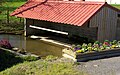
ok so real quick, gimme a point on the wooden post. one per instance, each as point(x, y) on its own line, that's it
point(20, 20)
point(25, 27)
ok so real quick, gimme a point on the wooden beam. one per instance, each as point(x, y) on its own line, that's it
point(50, 30)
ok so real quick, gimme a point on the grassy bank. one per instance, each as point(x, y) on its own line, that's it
point(48, 66)
point(8, 59)
point(11, 64)
point(116, 5)
point(10, 23)
point(41, 68)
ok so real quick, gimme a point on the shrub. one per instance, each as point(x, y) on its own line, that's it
point(50, 58)
point(5, 44)
point(29, 58)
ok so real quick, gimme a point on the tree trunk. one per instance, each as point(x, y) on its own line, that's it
point(8, 16)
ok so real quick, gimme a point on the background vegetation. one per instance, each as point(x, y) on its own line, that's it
point(10, 23)
point(116, 5)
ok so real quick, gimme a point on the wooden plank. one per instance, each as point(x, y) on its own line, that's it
point(46, 29)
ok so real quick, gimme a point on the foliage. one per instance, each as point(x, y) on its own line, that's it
point(11, 6)
point(10, 23)
point(5, 44)
point(50, 58)
point(29, 58)
point(42, 67)
point(116, 5)
point(96, 46)
point(11, 27)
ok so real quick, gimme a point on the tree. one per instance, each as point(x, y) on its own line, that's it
point(7, 10)
point(1, 1)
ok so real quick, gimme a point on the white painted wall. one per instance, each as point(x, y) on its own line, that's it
point(108, 1)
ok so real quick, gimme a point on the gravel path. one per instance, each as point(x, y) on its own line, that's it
point(109, 66)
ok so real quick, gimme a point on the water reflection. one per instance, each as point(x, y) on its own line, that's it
point(43, 48)
point(15, 40)
point(35, 46)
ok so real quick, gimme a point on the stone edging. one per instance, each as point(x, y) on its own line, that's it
point(91, 55)
point(19, 54)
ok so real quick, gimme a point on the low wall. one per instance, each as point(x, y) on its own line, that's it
point(91, 55)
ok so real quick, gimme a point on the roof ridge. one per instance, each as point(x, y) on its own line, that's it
point(82, 2)
point(65, 2)
point(86, 2)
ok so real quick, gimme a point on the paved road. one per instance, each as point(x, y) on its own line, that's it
point(108, 66)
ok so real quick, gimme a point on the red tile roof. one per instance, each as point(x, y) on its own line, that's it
point(75, 13)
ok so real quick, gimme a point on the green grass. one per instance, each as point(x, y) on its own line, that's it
point(11, 6)
point(11, 64)
point(15, 24)
point(43, 67)
point(116, 5)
